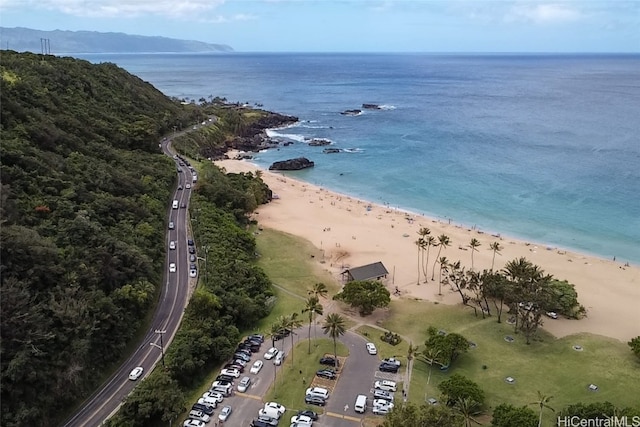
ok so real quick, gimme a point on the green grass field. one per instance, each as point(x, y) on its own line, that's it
point(549, 365)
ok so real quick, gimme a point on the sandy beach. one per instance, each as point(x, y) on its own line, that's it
point(352, 232)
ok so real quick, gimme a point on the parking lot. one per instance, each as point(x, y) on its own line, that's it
point(357, 376)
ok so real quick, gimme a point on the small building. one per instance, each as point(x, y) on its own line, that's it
point(375, 271)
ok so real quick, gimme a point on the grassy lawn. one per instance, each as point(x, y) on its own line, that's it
point(550, 365)
point(289, 387)
point(291, 262)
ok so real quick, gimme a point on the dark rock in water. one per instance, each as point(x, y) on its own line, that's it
point(371, 106)
point(351, 112)
point(287, 143)
point(317, 142)
point(292, 164)
point(331, 150)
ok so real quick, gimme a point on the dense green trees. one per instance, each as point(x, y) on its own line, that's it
point(365, 295)
point(507, 415)
point(635, 345)
point(408, 414)
point(458, 387)
point(444, 348)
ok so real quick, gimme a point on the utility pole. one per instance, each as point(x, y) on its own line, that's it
point(161, 346)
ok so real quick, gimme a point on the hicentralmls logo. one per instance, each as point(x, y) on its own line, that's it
point(599, 422)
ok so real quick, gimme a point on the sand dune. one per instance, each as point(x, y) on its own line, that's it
point(354, 232)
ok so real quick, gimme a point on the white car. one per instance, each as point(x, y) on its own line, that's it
point(224, 413)
point(172, 267)
point(301, 420)
point(383, 403)
point(136, 373)
point(275, 405)
point(386, 385)
point(257, 365)
point(244, 384)
point(193, 273)
point(317, 391)
point(552, 314)
point(219, 397)
point(210, 401)
point(231, 372)
point(271, 353)
point(172, 245)
point(371, 348)
point(199, 415)
point(188, 186)
point(381, 410)
point(193, 423)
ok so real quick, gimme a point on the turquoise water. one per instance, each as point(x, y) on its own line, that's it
point(545, 148)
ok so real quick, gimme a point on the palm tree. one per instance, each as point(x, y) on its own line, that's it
point(312, 308)
point(467, 407)
point(319, 290)
point(443, 265)
point(496, 248)
point(276, 329)
point(429, 242)
point(412, 352)
point(542, 403)
point(424, 232)
point(292, 322)
point(335, 326)
point(420, 244)
point(473, 245)
point(443, 242)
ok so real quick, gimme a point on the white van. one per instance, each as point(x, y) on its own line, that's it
point(361, 404)
point(279, 358)
point(175, 204)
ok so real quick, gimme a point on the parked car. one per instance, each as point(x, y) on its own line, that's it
point(234, 366)
point(552, 314)
point(386, 385)
point(383, 402)
point(257, 366)
point(328, 360)
point(240, 362)
point(258, 337)
point(225, 378)
point(199, 415)
point(136, 373)
point(317, 391)
point(219, 383)
point(231, 372)
point(259, 423)
point(224, 413)
point(269, 417)
point(371, 348)
point(279, 358)
point(207, 409)
point(244, 384)
point(301, 420)
point(188, 186)
point(308, 413)
point(192, 258)
point(382, 394)
point(275, 405)
point(381, 410)
point(192, 250)
point(193, 273)
point(283, 333)
point(270, 354)
point(265, 421)
point(314, 400)
point(215, 395)
point(242, 356)
point(329, 374)
point(190, 242)
point(193, 423)
point(386, 367)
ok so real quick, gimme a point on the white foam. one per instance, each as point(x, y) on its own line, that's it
point(387, 107)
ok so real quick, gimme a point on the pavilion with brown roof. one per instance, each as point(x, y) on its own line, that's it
point(375, 271)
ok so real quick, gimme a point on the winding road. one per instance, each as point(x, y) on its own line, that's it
point(166, 320)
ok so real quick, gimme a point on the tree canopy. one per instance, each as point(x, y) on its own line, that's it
point(365, 295)
point(507, 415)
point(458, 387)
point(408, 414)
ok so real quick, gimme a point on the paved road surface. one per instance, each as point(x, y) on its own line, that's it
point(173, 299)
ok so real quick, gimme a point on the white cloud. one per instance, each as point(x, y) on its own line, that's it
point(122, 8)
point(542, 13)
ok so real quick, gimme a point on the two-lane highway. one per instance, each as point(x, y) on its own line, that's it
point(173, 300)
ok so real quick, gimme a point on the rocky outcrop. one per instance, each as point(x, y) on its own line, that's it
point(292, 164)
point(371, 106)
point(319, 142)
point(351, 112)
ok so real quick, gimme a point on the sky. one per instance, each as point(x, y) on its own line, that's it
point(351, 25)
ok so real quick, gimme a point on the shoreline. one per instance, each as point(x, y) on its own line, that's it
point(350, 231)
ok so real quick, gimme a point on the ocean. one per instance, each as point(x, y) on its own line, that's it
point(545, 148)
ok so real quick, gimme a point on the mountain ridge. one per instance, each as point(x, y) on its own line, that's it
point(22, 39)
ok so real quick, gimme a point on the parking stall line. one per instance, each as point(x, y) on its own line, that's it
point(249, 396)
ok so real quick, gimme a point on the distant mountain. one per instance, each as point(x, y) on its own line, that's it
point(66, 42)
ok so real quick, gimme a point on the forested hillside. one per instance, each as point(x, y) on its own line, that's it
point(84, 192)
